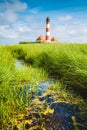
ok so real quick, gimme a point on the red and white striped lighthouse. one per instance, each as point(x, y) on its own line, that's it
point(47, 29)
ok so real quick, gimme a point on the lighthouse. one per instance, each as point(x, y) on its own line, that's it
point(47, 39)
point(47, 29)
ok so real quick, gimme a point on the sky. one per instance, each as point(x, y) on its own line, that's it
point(24, 20)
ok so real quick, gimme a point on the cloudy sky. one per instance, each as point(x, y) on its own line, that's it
point(24, 20)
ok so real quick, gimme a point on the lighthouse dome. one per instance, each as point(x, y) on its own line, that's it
point(47, 19)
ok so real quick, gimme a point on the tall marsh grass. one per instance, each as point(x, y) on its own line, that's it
point(13, 82)
point(67, 62)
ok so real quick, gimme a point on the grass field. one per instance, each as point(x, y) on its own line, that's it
point(66, 63)
point(12, 81)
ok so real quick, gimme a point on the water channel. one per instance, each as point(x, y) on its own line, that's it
point(65, 116)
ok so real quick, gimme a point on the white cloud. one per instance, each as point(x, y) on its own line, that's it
point(85, 30)
point(7, 32)
point(8, 17)
point(65, 18)
point(23, 29)
point(18, 32)
point(70, 31)
point(9, 11)
point(14, 5)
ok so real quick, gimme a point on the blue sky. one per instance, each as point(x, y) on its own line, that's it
point(24, 20)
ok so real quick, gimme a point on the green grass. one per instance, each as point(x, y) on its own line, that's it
point(13, 83)
point(66, 63)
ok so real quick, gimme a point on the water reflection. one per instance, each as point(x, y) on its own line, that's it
point(62, 118)
point(18, 64)
point(65, 116)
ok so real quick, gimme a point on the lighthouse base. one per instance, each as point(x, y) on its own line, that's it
point(48, 41)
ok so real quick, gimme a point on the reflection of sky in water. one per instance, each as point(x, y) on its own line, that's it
point(63, 112)
point(18, 64)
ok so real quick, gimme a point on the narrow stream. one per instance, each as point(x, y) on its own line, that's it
point(19, 64)
point(65, 116)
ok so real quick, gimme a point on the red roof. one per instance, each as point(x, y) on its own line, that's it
point(53, 39)
point(40, 38)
